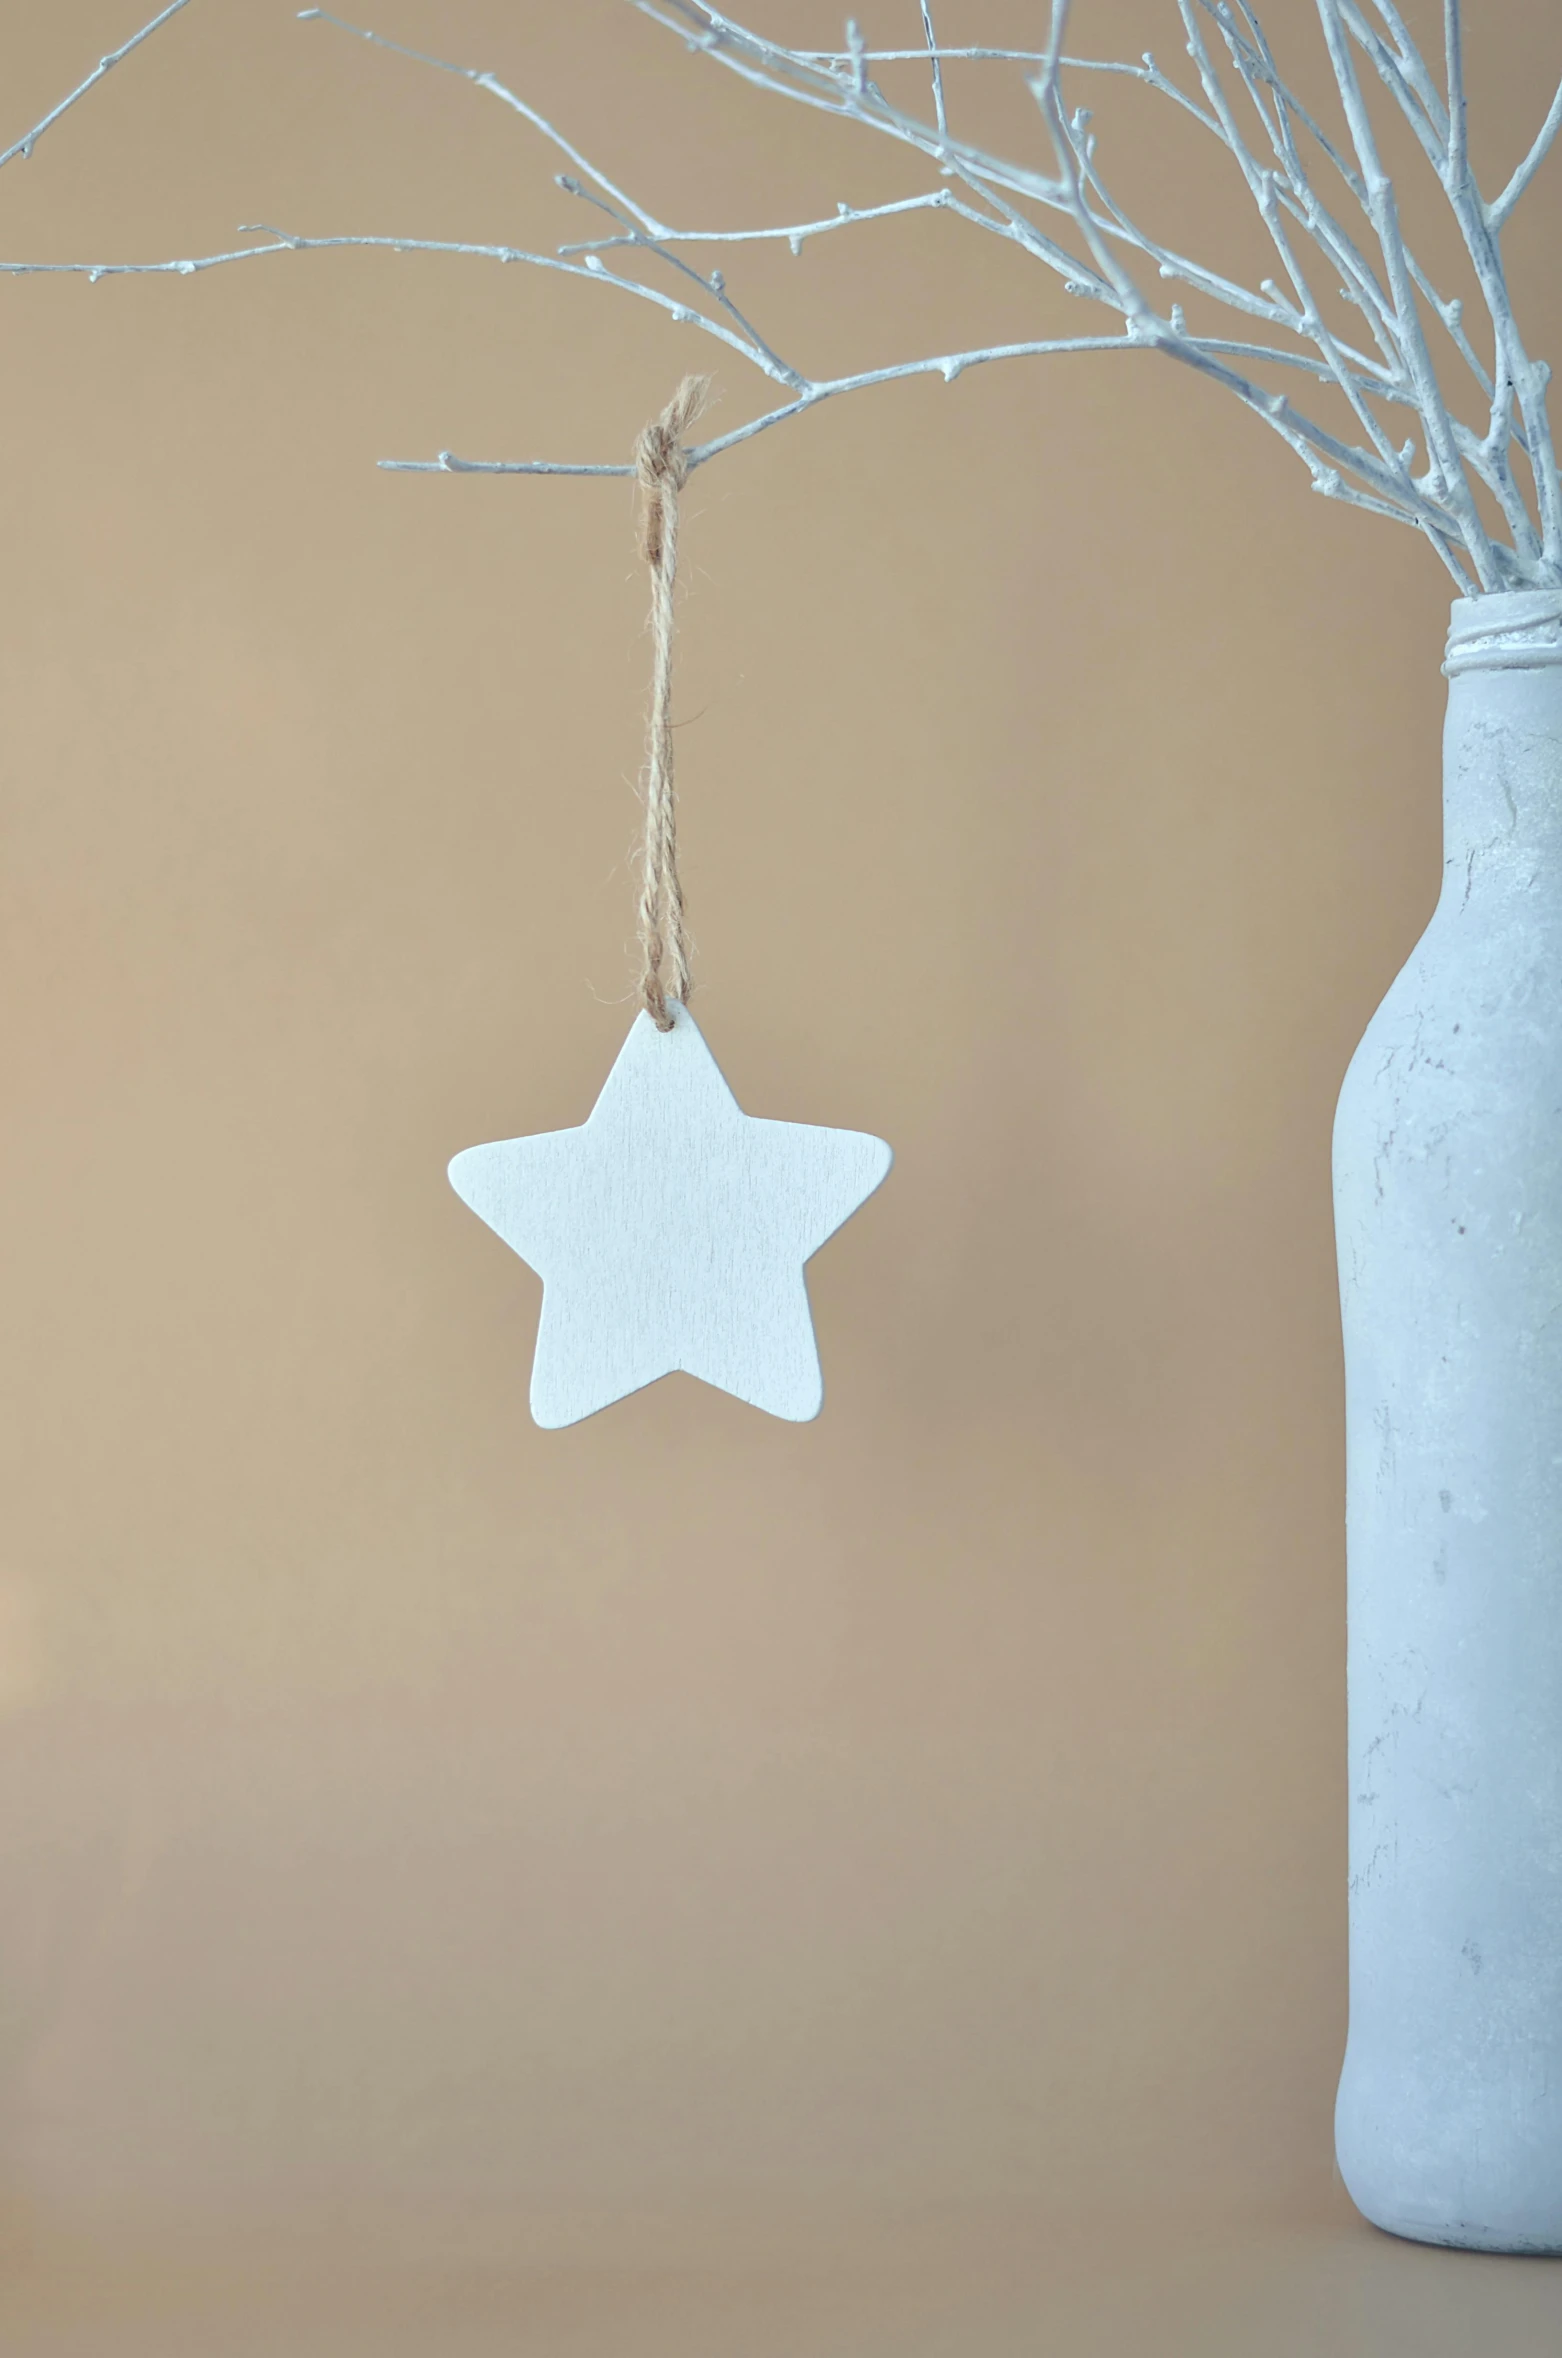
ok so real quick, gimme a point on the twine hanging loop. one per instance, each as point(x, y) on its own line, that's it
point(662, 466)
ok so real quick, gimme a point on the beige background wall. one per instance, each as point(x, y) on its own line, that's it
point(401, 1805)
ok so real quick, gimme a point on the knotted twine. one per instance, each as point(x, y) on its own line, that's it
point(662, 465)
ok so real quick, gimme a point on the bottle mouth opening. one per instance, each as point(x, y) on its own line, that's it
point(1509, 630)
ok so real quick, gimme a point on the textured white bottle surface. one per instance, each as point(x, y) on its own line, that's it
point(1448, 1198)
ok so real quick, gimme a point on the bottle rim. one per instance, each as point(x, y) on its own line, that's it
point(1507, 630)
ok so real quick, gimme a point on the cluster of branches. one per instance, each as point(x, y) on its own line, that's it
point(1327, 206)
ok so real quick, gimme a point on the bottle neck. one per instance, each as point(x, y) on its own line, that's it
point(1512, 630)
point(1502, 746)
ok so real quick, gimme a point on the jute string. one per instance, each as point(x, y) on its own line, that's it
point(662, 463)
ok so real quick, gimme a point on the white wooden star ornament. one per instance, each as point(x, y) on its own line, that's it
point(671, 1229)
point(670, 1232)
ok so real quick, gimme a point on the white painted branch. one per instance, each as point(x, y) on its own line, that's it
point(1430, 128)
point(1254, 62)
point(947, 365)
point(105, 65)
point(836, 95)
point(1486, 457)
point(179, 267)
point(838, 82)
point(1514, 373)
point(1457, 160)
point(712, 283)
point(284, 242)
point(835, 92)
point(1310, 321)
point(979, 171)
point(1388, 494)
point(1376, 476)
point(1413, 66)
point(1146, 71)
point(796, 234)
point(1406, 74)
point(1326, 479)
point(1383, 211)
point(1100, 252)
point(481, 80)
point(940, 114)
point(940, 51)
point(1497, 212)
point(1066, 140)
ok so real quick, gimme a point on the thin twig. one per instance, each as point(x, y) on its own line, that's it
point(105, 65)
point(284, 242)
point(940, 117)
point(1497, 212)
point(481, 80)
point(948, 365)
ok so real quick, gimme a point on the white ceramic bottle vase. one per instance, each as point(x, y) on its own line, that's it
point(1448, 1209)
